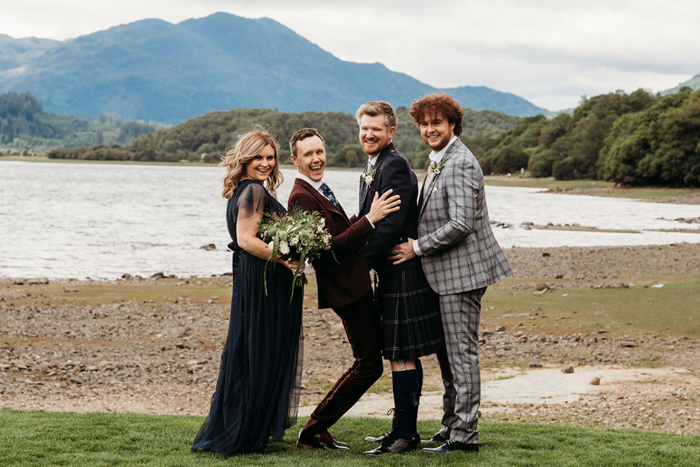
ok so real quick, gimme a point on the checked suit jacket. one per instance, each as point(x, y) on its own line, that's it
point(459, 250)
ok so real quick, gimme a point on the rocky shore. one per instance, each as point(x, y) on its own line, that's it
point(153, 345)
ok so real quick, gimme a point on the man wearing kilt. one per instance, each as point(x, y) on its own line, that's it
point(460, 257)
point(409, 309)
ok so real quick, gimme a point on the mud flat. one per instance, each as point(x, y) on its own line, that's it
point(153, 345)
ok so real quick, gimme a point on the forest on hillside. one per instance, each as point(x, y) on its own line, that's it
point(207, 137)
point(631, 139)
point(25, 128)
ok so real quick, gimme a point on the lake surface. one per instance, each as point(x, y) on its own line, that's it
point(104, 220)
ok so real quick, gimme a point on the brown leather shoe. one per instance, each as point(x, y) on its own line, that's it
point(393, 446)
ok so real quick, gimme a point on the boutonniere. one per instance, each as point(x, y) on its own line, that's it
point(436, 167)
point(369, 175)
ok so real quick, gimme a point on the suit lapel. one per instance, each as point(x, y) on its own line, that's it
point(327, 205)
point(453, 149)
point(364, 189)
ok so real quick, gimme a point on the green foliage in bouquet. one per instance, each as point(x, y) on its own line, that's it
point(297, 236)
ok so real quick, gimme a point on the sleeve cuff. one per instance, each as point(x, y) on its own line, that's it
point(416, 249)
point(370, 222)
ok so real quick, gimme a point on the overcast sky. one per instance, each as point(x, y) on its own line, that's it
point(550, 52)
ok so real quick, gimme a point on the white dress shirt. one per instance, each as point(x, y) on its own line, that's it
point(317, 186)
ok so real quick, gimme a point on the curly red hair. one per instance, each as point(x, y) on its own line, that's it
point(433, 104)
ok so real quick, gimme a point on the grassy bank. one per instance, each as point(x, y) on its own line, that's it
point(620, 311)
point(599, 188)
point(636, 309)
point(43, 438)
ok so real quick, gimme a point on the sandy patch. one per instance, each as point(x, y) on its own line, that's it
point(506, 388)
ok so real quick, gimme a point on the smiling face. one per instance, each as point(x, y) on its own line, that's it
point(310, 157)
point(435, 130)
point(260, 167)
point(374, 134)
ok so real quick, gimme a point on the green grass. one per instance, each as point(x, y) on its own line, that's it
point(592, 187)
point(548, 183)
point(637, 309)
point(98, 439)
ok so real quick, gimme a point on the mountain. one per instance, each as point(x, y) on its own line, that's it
point(693, 83)
point(154, 70)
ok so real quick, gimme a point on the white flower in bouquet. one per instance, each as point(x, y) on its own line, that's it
point(303, 231)
point(284, 247)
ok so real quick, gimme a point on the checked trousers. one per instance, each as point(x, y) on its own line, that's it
point(459, 365)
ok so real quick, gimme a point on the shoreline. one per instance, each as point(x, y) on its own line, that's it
point(549, 185)
point(587, 263)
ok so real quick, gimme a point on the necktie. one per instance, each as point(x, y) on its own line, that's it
point(328, 193)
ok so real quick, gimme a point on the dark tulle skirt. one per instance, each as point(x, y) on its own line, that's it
point(257, 393)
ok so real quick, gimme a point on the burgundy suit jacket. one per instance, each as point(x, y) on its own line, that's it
point(346, 280)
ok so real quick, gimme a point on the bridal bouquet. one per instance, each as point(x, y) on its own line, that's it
point(298, 235)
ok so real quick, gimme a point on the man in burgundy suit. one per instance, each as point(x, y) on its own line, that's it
point(343, 283)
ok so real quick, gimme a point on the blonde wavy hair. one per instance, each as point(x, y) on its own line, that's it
point(249, 145)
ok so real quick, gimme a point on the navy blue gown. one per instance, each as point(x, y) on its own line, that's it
point(257, 393)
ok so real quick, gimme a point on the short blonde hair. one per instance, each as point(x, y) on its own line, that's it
point(375, 108)
point(249, 145)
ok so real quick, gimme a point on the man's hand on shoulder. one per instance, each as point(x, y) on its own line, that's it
point(402, 252)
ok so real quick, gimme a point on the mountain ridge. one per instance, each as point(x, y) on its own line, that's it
point(155, 70)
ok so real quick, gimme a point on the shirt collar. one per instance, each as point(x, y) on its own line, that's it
point(313, 183)
point(373, 161)
point(437, 157)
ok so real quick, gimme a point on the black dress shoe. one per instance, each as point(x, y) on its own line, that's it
point(439, 437)
point(452, 446)
point(327, 438)
point(381, 438)
point(378, 439)
point(309, 441)
point(393, 445)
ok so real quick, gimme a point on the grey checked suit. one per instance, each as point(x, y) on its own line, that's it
point(460, 258)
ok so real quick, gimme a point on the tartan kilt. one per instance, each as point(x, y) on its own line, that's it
point(410, 315)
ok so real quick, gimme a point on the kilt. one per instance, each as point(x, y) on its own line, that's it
point(410, 315)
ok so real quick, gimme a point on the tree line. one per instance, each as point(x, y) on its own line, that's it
point(207, 137)
point(25, 127)
point(635, 139)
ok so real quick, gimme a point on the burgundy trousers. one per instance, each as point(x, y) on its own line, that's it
point(362, 328)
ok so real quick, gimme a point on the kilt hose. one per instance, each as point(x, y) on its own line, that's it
point(459, 365)
point(410, 315)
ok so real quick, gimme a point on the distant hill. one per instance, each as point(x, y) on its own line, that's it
point(154, 70)
point(693, 83)
point(206, 137)
point(25, 127)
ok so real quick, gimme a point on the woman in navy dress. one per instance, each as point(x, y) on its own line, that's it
point(257, 392)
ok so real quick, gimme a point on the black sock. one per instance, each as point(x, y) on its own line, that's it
point(419, 369)
point(406, 394)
